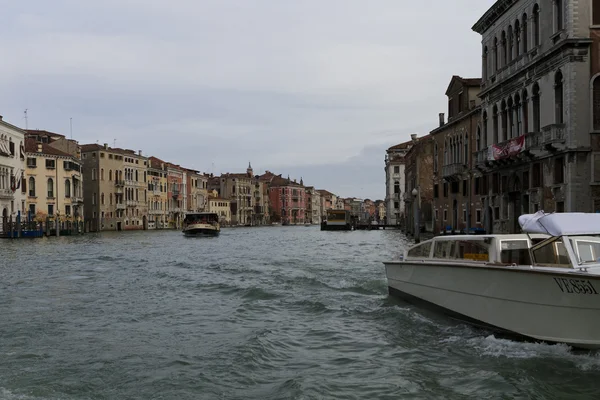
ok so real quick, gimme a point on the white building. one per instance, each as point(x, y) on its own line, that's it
point(395, 182)
point(12, 170)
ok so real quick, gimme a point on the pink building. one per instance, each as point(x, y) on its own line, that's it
point(288, 201)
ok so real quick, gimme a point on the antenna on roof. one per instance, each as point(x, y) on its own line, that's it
point(26, 124)
point(71, 126)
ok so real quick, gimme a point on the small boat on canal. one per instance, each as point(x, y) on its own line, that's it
point(201, 224)
point(543, 284)
point(337, 220)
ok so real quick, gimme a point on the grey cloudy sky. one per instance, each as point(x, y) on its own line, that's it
point(311, 88)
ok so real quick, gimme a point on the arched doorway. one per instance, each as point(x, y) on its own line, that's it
point(4, 222)
point(145, 222)
point(514, 203)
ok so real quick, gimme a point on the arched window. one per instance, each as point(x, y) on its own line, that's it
point(50, 188)
point(435, 157)
point(596, 103)
point(504, 49)
point(466, 150)
point(495, 55)
point(446, 152)
point(67, 188)
point(511, 120)
point(102, 174)
point(558, 98)
point(102, 199)
point(558, 15)
point(510, 44)
point(517, 38)
point(524, 35)
point(535, 101)
point(536, 25)
point(478, 139)
point(136, 175)
point(518, 115)
point(495, 125)
point(485, 63)
point(110, 175)
point(503, 115)
point(485, 131)
point(32, 186)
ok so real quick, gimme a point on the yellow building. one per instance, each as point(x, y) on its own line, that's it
point(158, 211)
point(53, 179)
point(220, 206)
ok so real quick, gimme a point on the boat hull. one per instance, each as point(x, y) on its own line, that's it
point(541, 305)
point(201, 230)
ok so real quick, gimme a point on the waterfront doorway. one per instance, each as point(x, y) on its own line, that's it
point(119, 226)
point(455, 215)
point(145, 222)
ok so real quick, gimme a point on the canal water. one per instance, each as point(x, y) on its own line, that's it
point(257, 313)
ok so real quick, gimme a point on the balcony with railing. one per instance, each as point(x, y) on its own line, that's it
point(120, 206)
point(6, 194)
point(119, 183)
point(131, 203)
point(454, 169)
point(553, 135)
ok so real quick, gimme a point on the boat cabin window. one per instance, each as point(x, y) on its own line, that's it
point(476, 250)
point(515, 252)
point(421, 251)
point(552, 254)
point(587, 249)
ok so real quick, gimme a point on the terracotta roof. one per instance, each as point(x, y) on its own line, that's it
point(325, 192)
point(41, 132)
point(236, 175)
point(401, 146)
point(282, 182)
point(31, 146)
point(96, 147)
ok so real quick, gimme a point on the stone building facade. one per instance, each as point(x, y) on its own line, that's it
point(53, 180)
point(158, 201)
point(419, 176)
point(394, 182)
point(456, 201)
point(535, 147)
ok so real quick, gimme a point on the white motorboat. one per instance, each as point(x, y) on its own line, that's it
point(543, 284)
point(201, 224)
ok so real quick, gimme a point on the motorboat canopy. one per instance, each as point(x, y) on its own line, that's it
point(561, 224)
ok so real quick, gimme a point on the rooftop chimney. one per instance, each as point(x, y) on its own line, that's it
point(0, 117)
point(139, 152)
point(39, 149)
point(105, 146)
point(472, 104)
point(441, 119)
point(413, 137)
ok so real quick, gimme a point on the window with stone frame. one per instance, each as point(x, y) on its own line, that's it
point(596, 167)
point(558, 97)
point(596, 101)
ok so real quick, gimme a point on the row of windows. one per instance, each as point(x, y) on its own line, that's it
point(50, 187)
point(514, 40)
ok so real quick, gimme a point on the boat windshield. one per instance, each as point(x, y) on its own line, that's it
point(552, 253)
point(586, 248)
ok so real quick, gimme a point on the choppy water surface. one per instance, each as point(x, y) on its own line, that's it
point(258, 313)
